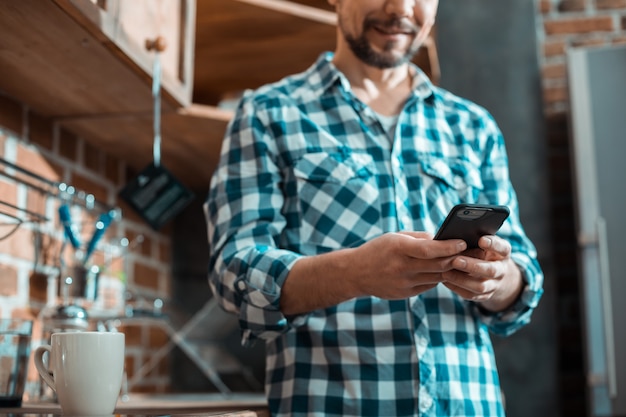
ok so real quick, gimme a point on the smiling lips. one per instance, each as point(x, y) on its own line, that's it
point(394, 27)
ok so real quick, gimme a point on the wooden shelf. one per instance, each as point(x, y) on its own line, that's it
point(191, 139)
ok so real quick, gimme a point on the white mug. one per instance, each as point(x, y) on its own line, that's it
point(85, 370)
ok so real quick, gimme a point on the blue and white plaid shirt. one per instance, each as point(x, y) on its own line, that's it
point(307, 168)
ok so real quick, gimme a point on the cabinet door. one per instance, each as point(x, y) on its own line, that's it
point(127, 25)
point(598, 119)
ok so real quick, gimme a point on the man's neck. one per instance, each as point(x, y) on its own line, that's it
point(384, 90)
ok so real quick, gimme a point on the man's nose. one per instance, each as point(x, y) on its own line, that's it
point(400, 8)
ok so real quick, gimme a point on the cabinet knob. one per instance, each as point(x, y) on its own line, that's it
point(157, 44)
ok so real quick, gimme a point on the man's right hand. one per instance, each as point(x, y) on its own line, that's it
point(391, 266)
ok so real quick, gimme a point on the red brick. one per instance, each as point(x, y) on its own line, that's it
point(556, 48)
point(36, 200)
point(19, 244)
point(40, 130)
point(545, 6)
point(11, 115)
point(68, 145)
point(157, 337)
point(23, 313)
point(579, 25)
point(38, 164)
point(165, 252)
point(8, 281)
point(133, 335)
point(167, 289)
point(91, 158)
point(610, 4)
point(112, 169)
point(129, 366)
point(8, 191)
point(554, 71)
point(38, 285)
point(571, 5)
point(145, 276)
point(553, 95)
point(164, 366)
point(129, 214)
point(144, 247)
point(85, 184)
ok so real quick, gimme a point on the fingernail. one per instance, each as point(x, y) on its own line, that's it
point(461, 263)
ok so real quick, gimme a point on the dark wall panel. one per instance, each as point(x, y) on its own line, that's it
point(488, 53)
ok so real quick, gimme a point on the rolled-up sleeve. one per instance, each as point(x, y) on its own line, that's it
point(499, 190)
point(243, 212)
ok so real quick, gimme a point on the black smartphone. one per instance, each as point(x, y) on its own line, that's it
point(471, 221)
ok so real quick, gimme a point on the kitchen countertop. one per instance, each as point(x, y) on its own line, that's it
point(205, 404)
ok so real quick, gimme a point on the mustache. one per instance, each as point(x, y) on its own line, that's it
point(393, 24)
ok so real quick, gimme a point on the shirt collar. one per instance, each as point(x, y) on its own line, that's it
point(329, 75)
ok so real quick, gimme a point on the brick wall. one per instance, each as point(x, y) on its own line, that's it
point(30, 255)
point(572, 23)
point(562, 24)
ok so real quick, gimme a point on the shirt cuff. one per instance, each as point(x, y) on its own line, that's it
point(260, 290)
point(507, 322)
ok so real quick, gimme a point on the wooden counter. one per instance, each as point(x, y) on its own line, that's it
point(209, 404)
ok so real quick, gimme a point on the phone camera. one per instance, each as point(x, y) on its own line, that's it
point(466, 212)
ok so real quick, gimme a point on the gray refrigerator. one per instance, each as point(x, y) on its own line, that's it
point(597, 87)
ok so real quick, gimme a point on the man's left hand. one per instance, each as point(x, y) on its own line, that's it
point(486, 275)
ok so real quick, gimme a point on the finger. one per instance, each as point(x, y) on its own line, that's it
point(469, 294)
point(476, 267)
point(433, 249)
point(423, 246)
point(495, 244)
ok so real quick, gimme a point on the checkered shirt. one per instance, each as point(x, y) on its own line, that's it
point(306, 168)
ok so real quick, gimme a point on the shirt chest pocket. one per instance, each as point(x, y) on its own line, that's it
point(331, 196)
point(334, 168)
point(456, 179)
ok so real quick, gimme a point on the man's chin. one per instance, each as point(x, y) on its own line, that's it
point(388, 61)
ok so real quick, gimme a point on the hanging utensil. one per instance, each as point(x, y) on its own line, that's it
point(102, 224)
point(71, 233)
point(155, 193)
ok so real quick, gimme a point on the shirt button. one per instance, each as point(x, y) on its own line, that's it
point(406, 221)
point(426, 401)
point(241, 285)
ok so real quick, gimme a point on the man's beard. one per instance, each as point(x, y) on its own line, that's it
point(363, 50)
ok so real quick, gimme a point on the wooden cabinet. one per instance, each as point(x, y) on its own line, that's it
point(128, 25)
point(84, 65)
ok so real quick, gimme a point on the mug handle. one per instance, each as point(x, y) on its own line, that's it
point(41, 367)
